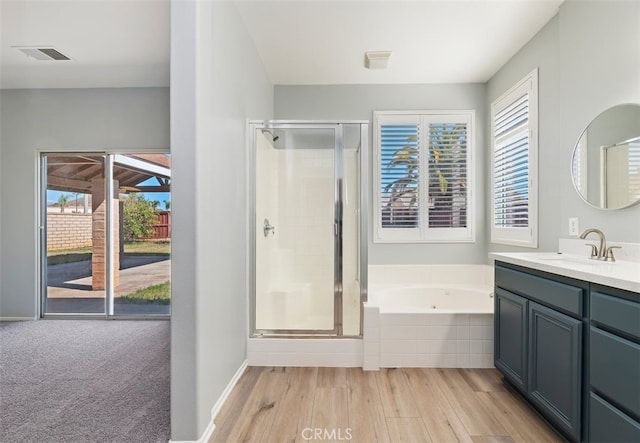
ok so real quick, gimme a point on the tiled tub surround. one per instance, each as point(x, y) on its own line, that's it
point(399, 334)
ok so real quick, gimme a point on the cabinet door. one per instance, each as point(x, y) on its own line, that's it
point(510, 336)
point(555, 353)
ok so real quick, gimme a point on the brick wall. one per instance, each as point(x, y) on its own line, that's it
point(67, 231)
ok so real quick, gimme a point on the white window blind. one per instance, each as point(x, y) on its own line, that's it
point(576, 166)
point(579, 164)
point(399, 175)
point(514, 119)
point(634, 171)
point(448, 168)
point(511, 165)
point(423, 171)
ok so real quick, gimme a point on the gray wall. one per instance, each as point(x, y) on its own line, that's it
point(357, 102)
point(217, 83)
point(589, 60)
point(600, 67)
point(60, 120)
point(540, 52)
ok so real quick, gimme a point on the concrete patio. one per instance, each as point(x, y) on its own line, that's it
point(69, 288)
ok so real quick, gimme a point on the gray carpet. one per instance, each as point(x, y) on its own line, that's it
point(84, 381)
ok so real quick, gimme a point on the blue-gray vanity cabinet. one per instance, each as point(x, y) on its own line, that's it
point(538, 341)
point(614, 364)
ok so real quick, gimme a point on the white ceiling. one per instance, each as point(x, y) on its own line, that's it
point(125, 43)
point(117, 43)
point(324, 42)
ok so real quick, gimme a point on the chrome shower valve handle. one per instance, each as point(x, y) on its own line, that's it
point(266, 228)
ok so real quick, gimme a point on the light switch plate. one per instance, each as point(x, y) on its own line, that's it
point(574, 226)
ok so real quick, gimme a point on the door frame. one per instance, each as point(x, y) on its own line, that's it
point(109, 240)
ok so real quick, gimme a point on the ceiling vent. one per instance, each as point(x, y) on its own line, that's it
point(376, 59)
point(44, 53)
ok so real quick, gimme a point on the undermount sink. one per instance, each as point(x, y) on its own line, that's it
point(621, 274)
point(560, 258)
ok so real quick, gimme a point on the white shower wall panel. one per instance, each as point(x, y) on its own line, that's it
point(306, 189)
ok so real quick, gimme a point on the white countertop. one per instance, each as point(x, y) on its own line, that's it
point(620, 274)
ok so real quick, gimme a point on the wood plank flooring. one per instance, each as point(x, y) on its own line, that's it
point(280, 405)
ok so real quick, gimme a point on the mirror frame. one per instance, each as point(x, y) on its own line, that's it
point(573, 154)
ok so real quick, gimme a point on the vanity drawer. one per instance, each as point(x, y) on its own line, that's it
point(615, 365)
point(608, 424)
point(558, 295)
point(616, 313)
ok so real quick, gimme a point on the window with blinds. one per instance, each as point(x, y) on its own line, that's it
point(514, 164)
point(423, 171)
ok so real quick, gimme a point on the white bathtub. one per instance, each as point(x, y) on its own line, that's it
point(429, 316)
point(440, 298)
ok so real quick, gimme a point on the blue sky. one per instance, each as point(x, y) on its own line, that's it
point(53, 196)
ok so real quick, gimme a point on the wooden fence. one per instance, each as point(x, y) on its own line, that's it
point(162, 227)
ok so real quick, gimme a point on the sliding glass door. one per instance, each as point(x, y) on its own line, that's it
point(105, 224)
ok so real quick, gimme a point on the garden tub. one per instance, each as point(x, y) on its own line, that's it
point(429, 316)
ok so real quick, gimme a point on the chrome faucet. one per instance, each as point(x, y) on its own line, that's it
point(602, 252)
point(596, 252)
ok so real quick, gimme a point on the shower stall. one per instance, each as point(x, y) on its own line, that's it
point(308, 228)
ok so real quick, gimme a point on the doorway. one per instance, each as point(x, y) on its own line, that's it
point(105, 224)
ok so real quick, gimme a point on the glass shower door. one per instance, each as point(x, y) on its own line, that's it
point(298, 280)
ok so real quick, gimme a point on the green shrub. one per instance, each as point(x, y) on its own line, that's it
point(139, 216)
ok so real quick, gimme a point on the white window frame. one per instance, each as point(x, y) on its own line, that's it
point(519, 236)
point(424, 234)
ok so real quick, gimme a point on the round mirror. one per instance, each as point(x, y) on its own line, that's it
point(606, 160)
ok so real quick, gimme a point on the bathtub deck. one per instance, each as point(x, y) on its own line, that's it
point(391, 405)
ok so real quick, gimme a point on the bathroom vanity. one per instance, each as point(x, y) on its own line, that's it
point(567, 337)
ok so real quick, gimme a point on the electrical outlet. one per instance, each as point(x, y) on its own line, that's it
point(574, 227)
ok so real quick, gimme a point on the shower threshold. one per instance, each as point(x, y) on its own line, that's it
point(297, 351)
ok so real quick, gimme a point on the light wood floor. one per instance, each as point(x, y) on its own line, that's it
point(393, 405)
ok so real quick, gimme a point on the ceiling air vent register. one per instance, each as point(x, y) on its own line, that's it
point(42, 53)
